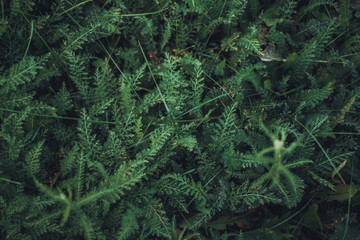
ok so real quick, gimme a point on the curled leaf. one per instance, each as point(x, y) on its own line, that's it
point(269, 54)
point(341, 166)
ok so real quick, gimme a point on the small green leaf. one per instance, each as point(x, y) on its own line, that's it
point(341, 193)
point(290, 60)
point(220, 68)
point(311, 217)
point(271, 17)
point(267, 84)
point(188, 142)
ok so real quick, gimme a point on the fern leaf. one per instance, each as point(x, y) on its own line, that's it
point(224, 129)
point(67, 164)
point(158, 138)
point(21, 73)
point(249, 195)
point(80, 175)
point(32, 159)
point(250, 43)
point(184, 185)
point(78, 73)
point(315, 4)
point(298, 163)
point(127, 175)
point(312, 97)
point(321, 180)
point(129, 225)
point(87, 228)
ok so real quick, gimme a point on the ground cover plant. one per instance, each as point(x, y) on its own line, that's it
point(179, 119)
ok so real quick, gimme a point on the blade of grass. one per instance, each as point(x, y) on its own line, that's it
point(10, 181)
point(30, 38)
point(200, 105)
point(296, 213)
point(45, 43)
point(152, 75)
point(117, 67)
point(339, 133)
point(322, 149)
point(59, 117)
point(219, 86)
point(349, 203)
point(77, 5)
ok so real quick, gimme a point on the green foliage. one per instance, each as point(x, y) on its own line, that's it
point(21, 73)
point(184, 119)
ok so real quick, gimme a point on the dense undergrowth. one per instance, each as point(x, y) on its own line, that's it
point(179, 119)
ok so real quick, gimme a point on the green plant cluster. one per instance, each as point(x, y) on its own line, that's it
point(179, 119)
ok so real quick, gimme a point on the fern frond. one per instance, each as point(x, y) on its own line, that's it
point(197, 83)
point(62, 101)
point(76, 39)
point(158, 138)
point(166, 35)
point(321, 180)
point(250, 74)
point(23, 72)
point(127, 175)
point(156, 219)
point(312, 97)
point(298, 163)
point(78, 73)
point(32, 159)
point(44, 224)
point(245, 174)
point(67, 164)
point(87, 228)
point(177, 183)
point(129, 224)
point(245, 193)
point(249, 43)
point(315, 4)
point(86, 137)
point(224, 129)
point(294, 185)
point(80, 175)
